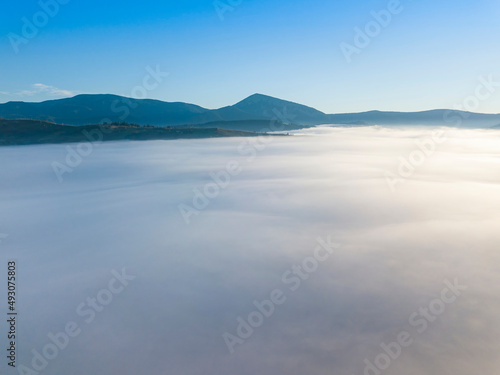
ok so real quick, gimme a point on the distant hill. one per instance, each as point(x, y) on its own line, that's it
point(438, 117)
point(244, 115)
point(27, 132)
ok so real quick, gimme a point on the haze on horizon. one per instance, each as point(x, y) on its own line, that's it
point(429, 55)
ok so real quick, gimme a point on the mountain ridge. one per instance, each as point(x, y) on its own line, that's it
point(87, 109)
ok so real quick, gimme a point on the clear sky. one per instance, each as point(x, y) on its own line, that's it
point(431, 54)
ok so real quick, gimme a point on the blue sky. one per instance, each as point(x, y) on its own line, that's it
point(429, 55)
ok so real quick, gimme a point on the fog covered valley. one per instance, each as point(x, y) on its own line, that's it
point(346, 251)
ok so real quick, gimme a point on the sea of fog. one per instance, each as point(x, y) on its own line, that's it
point(338, 251)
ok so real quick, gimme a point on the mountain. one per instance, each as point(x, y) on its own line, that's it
point(263, 106)
point(93, 109)
point(28, 132)
point(437, 117)
point(244, 115)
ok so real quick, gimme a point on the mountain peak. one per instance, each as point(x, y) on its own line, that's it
point(260, 98)
point(265, 106)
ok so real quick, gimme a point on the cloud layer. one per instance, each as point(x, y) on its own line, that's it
point(119, 208)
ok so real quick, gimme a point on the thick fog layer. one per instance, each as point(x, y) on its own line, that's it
point(339, 251)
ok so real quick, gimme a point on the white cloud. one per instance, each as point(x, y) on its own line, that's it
point(40, 88)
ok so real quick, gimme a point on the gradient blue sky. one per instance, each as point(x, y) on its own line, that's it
point(431, 55)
